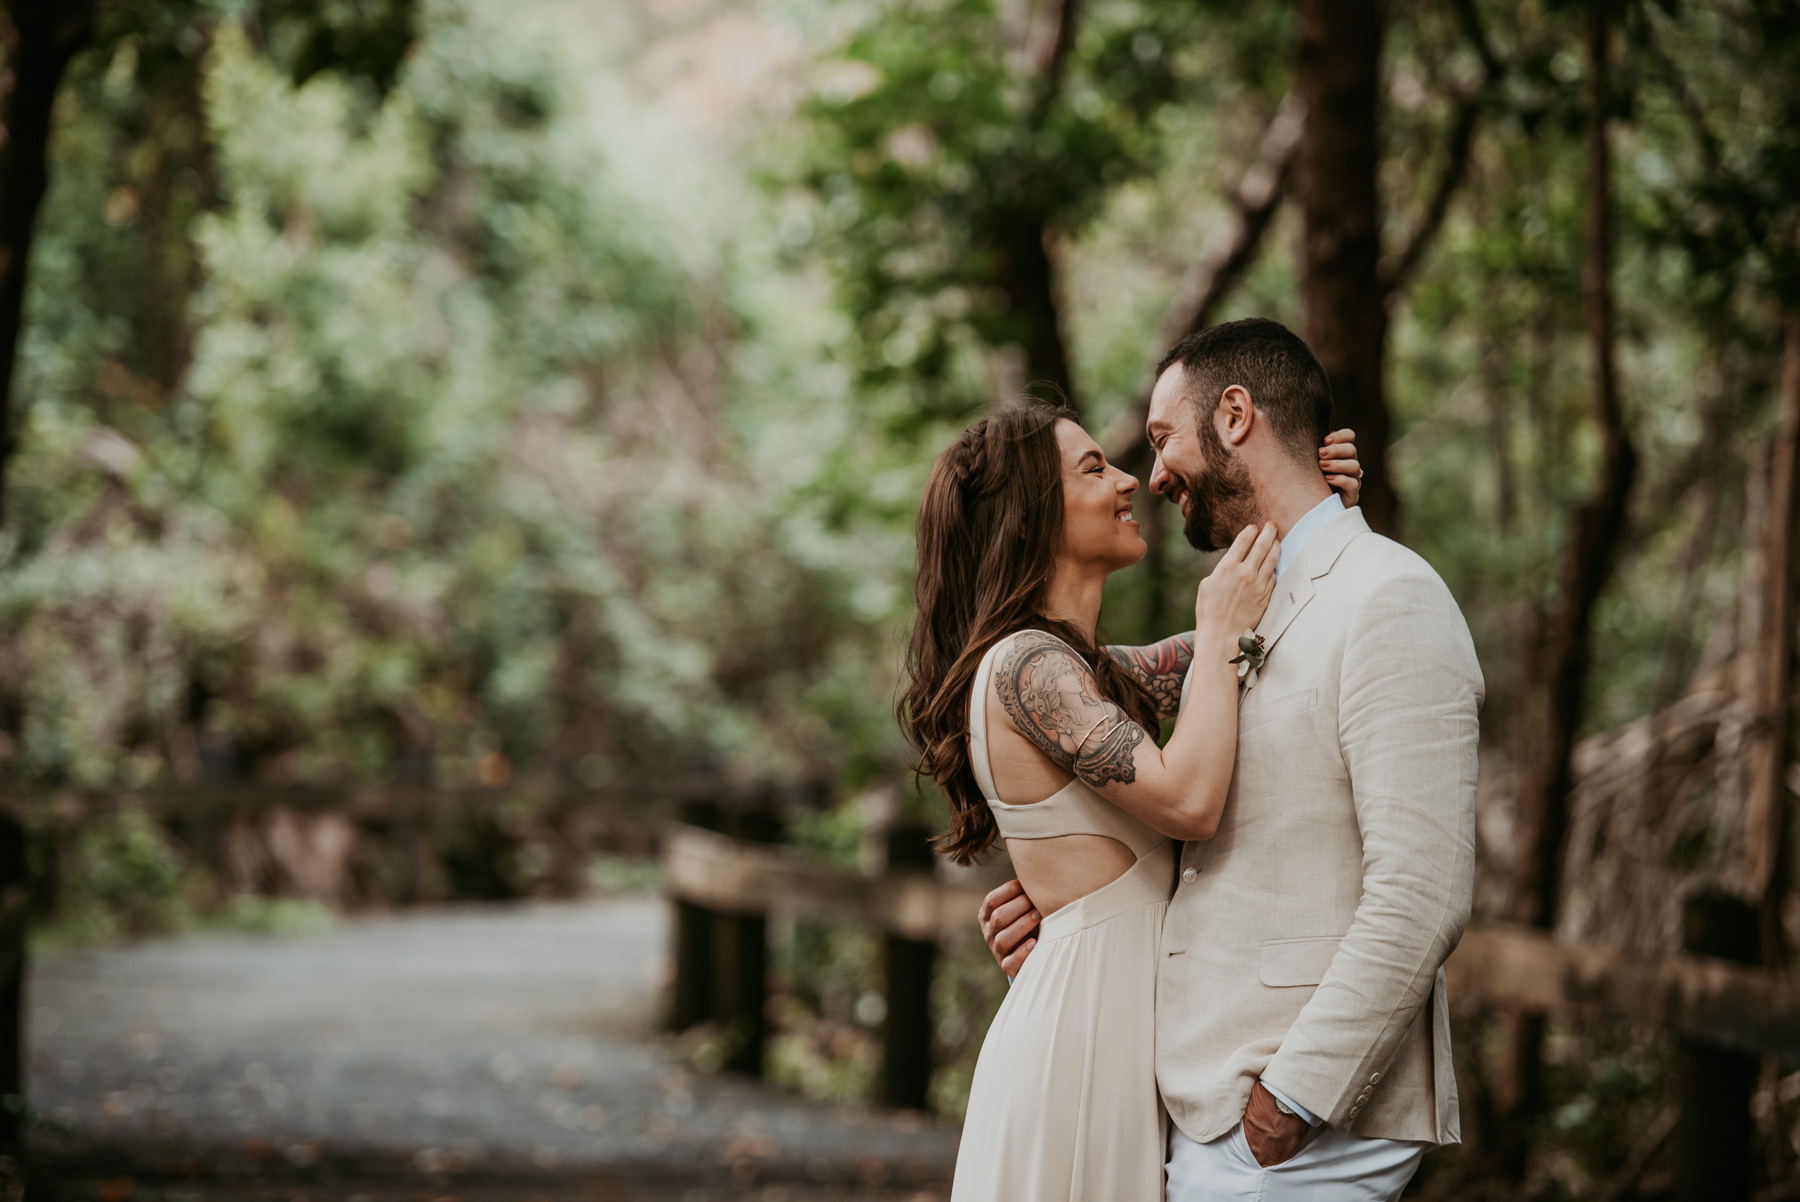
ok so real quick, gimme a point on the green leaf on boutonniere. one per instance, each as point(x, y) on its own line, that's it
point(1252, 653)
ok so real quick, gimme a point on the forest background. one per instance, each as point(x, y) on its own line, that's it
point(537, 398)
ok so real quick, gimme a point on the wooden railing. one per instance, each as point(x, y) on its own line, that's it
point(725, 889)
point(1730, 1014)
point(1732, 1006)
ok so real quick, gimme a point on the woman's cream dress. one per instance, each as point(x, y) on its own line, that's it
point(1064, 1104)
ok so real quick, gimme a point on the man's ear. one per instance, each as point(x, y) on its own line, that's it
point(1238, 414)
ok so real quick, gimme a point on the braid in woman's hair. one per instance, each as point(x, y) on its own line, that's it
point(971, 460)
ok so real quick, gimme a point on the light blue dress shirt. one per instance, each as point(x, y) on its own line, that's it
point(1304, 529)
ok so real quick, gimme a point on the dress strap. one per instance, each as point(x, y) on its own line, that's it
point(978, 740)
point(1075, 809)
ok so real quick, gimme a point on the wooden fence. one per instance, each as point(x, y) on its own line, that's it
point(725, 888)
point(1728, 1015)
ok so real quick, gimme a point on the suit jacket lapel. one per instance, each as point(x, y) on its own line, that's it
point(1295, 588)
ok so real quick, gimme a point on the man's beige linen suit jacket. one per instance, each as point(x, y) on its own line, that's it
point(1306, 939)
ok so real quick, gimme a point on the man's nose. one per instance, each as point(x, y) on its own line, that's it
point(1159, 478)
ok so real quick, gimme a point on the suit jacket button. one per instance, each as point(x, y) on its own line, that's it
point(1188, 875)
point(1375, 1080)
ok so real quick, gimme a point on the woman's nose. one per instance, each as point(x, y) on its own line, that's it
point(1128, 483)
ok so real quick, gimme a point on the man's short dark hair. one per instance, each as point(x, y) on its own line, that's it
point(1284, 380)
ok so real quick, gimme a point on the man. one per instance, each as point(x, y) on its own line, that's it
point(1302, 1037)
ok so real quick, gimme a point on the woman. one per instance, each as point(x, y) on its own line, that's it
point(1039, 738)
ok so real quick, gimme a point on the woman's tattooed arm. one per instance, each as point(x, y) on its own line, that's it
point(1050, 695)
point(1161, 667)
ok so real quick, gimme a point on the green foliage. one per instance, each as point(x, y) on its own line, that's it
point(827, 1002)
point(950, 137)
point(1608, 1089)
point(1490, 378)
point(366, 39)
point(454, 467)
point(610, 874)
point(121, 876)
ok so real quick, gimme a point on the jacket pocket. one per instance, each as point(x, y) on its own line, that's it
point(1284, 706)
point(1287, 962)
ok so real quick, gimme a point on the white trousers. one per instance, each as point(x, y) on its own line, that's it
point(1329, 1167)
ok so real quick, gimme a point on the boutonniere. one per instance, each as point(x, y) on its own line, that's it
point(1251, 657)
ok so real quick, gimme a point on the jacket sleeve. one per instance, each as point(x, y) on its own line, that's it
point(1409, 697)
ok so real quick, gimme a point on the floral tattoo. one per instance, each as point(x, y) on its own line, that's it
point(1161, 668)
point(1049, 694)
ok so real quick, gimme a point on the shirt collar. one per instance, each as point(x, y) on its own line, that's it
point(1304, 529)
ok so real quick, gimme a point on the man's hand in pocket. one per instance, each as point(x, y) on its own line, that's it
point(1273, 1137)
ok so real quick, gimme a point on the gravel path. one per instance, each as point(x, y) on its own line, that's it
point(472, 1050)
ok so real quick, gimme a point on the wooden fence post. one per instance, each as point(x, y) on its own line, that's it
point(906, 1034)
point(721, 957)
point(693, 1000)
point(740, 990)
point(693, 991)
point(1714, 1138)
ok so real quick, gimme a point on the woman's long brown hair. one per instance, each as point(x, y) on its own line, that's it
point(988, 528)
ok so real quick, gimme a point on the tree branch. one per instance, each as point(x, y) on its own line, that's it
point(1056, 53)
point(1397, 270)
point(1040, 50)
point(1676, 83)
point(38, 38)
point(1227, 254)
point(1470, 19)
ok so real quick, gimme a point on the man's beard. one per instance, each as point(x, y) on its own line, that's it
point(1221, 502)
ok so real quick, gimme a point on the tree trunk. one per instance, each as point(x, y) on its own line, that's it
point(1549, 732)
point(1338, 80)
point(37, 38)
point(1022, 237)
point(1766, 754)
point(1551, 705)
point(1029, 280)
